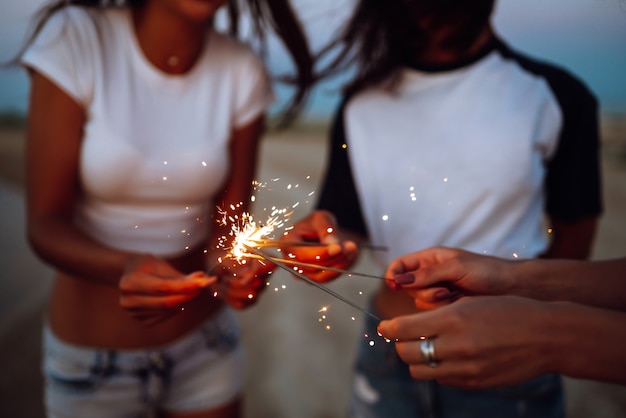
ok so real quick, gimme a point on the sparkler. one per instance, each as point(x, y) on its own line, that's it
point(323, 288)
point(248, 237)
point(297, 263)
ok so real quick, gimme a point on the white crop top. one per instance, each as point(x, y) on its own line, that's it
point(155, 147)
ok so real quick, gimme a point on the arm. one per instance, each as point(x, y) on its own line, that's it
point(434, 276)
point(240, 285)
point(596, 283)
point(338, 205)
point(572, 239)
point(55, 123)
point(477, 346)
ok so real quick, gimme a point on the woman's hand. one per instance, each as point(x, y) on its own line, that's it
point(240, 285)
point(152, 291)
point(438, 276)
point(478, 341)
point(333, 251)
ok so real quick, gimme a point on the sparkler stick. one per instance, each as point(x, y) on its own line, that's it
point(318, 267)
point(278, 244)
point(323, 288)
point(274, 243)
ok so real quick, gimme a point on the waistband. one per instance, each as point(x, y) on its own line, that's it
point(219, 333)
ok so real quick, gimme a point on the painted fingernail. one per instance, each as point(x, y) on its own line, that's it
point(441, 295)
point(404, 278)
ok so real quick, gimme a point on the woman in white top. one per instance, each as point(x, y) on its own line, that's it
point(447, 136)
point(143, 120)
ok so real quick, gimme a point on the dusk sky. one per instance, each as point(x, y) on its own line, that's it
point(586, 36)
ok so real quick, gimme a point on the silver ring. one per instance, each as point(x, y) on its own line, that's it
point(428, 352)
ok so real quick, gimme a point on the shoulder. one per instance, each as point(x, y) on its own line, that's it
point(78, 25)
point(565, 85)
point(75, 18)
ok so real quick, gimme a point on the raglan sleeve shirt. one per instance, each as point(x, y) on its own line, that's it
point(573, 181)
point(338, 194)
point(573, 186)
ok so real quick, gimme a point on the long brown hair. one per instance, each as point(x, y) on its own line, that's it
point(382, 36)
point(266, 15)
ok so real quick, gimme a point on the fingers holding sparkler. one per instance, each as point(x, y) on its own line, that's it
point(240, 284)
point(152, 290)
point(333, 251)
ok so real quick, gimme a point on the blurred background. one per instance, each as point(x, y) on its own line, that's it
point(299, 363)
point(586, 36)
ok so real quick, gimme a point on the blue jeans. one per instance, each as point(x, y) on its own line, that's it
point(200, 371)
point(384, 388)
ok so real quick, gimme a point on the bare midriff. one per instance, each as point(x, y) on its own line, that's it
point(87, 313)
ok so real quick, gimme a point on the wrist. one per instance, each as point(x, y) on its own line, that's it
point(557, 334)
point(519, 275)
point(570, 329)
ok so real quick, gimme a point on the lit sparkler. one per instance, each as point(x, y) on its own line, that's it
point(248, 234)
point(248, 237)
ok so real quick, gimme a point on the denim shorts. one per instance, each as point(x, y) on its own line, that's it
point(200, 371)
point(383, 387)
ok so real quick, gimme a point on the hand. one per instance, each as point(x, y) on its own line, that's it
point(151, 290)
point(438, 276)
point(479, 342)
point(240, 285)
point(319, 226)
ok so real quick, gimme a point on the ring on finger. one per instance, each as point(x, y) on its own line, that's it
point(427, 346)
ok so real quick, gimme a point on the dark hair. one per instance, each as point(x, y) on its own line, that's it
point(383, 35)
point(275, 15)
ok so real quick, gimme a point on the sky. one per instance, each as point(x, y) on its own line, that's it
point(586, 36)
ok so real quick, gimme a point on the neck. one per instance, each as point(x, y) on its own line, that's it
point(436, 55)
point(169, 42)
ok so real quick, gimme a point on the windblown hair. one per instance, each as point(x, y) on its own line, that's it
point(383, 35)
point(266, 15)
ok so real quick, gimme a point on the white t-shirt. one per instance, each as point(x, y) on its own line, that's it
point(469, 157)
point(155, 147)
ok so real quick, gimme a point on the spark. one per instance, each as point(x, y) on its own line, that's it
point(247, 233)
point(247, 237)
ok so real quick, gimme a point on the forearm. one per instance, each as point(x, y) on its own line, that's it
point(588, 343)
point(64, 247)
point(571, 240)
point(598, 283)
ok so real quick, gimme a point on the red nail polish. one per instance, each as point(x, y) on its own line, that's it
point(404, 278)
